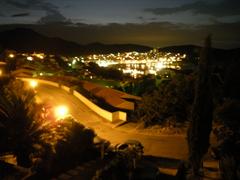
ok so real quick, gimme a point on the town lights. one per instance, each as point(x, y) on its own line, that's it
point(159, 66)
point(33, 83)
point(11, 55)
point(29, 58)
point(61, 112)
point(40, 56)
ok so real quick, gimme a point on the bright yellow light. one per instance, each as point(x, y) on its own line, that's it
point(74, 61)
point(61, 112)
point(40, 56)
point(11, 55)
point(159, 66)
point(30, 58)
point(33, 83)
point(1, 72)
point(103, 63)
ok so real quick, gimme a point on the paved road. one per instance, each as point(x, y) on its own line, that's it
point(162, 146)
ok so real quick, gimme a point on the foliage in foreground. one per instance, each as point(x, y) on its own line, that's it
point(228, 138)
point(21, 121)
point(47, 145)
point(68, 145)
point(171, 100)
point(122, 166)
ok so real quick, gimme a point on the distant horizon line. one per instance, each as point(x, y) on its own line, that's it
point(106, 43)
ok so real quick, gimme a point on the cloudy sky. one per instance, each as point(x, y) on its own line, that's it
point(148, 22)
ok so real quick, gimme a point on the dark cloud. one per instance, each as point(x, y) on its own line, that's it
point(67, 6)
point(32, 4)
point(220, 9)
point(153, 19)
point(141, 19)
point(20, 15)
point(53, 15)
point(145, 20)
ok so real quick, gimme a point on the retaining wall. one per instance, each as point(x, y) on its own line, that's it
point(110, 116)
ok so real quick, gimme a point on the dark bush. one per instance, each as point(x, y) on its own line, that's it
point(228, 139)
point(172, 99)
point(73, 145)
point(21, 122)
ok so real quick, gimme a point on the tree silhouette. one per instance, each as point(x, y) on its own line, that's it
point(171, 100)
point(201, 117)
point(21, 122)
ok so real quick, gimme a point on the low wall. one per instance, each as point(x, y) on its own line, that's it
point(118, 115)
point(102, 112)
point(65, 88)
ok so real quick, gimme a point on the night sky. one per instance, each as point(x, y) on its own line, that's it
point(149, 22)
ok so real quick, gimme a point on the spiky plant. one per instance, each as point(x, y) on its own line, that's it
point(21, 122)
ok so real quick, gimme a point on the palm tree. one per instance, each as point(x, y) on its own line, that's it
point(21, 123)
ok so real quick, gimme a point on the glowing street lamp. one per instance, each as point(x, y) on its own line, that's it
point(33, 83)
point(61, 112)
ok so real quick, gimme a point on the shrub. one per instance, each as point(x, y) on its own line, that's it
point(69, 144)
point(21, 120)
point(228, 136)
point(171, 99)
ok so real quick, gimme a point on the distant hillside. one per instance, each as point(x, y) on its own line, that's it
point(186, 49)
point(112, 48)
point(219, 55)
point(27, 40)
point(190, 49)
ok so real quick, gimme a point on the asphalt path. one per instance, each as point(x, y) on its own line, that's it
point(167, 146)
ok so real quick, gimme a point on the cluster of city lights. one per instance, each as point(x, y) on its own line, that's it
point(29, 57)
point(133, 63)
point(138, 64)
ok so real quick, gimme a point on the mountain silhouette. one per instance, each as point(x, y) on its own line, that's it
point(219, 56)
point(27, 40)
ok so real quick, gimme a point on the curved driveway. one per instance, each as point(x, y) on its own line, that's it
point(162, 146)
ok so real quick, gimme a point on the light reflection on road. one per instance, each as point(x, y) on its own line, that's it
point(161, 146)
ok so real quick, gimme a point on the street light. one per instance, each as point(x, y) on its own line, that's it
point(33, 83)
point(61, 112)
